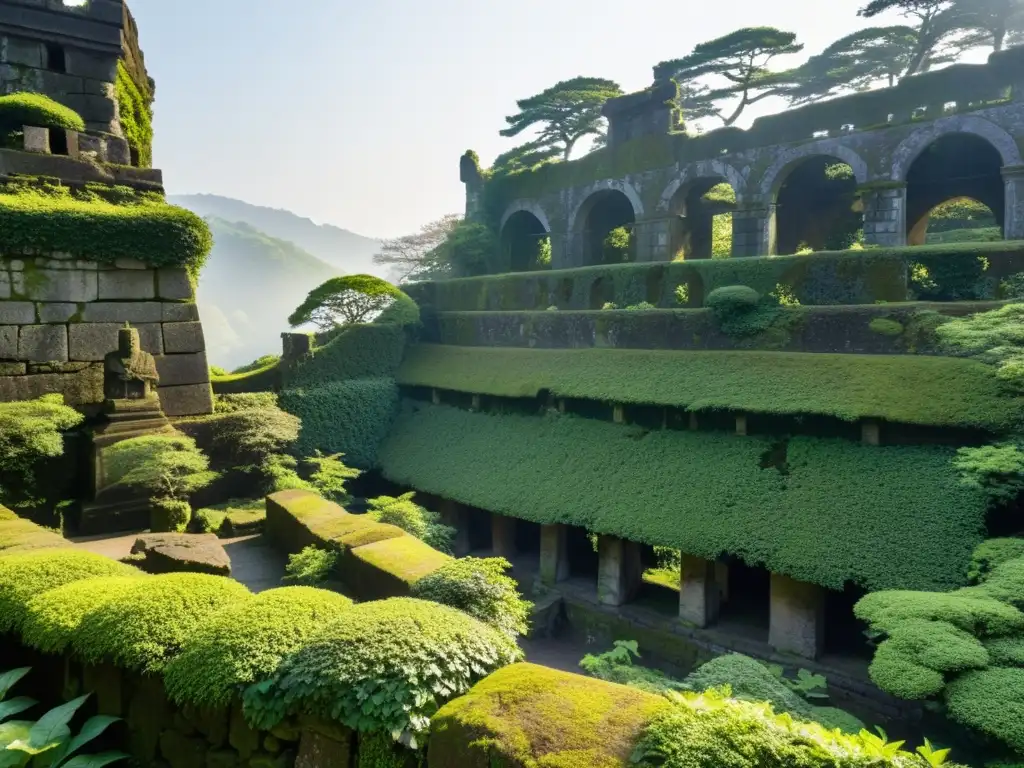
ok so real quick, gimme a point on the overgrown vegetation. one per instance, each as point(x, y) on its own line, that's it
point(425, 524)
point(31, 432)
point(34, 109)
point(135, 111)
point(311, 567)
point(345, 300)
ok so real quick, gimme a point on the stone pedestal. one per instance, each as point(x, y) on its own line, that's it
point(503, 536)
point(453, 514)
point(699, 596)
point(554, 554)
point(619, 570)
point(797, 623)
point(1013, 225)
point(885, 216)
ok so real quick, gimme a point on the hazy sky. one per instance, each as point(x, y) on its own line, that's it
point(356, 114)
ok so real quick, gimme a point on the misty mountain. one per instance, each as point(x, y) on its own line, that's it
point(250, 284)
point(345, 251)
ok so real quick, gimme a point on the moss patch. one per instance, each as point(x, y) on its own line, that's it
point(136, 114)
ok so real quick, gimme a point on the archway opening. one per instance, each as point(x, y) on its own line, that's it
point(953, 167)
point(525, 243)
point(961, 220)
point(817, 208)
point(702, 220)
point(607, 228)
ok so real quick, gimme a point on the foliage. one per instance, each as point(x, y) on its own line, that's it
point(909, 389)
point(480, 587)
point(403, 312)
point(991, 701)
point(934, 25)
point(959, 213)
point(995, 470)
point(739, 60)
point(169, 515)
point(30, 431)
point(79, 221)
point(144, 627)
point(311, 567)
point(990, 554)
point(385, 665)
point(48, 741)
point(263, 361)
point(425, 524)
point(245, 643)
point(244, 401)
point(230, 518)
point(701, 730)
point(414, 257)
point(27, 574)
point(20, 109)
point(564, 113)
point(345, 300)
point(761, 499)
point(20, 535)
point(618, 246)
point(616, 666)
point(165, 466)
point(470, 249)
point(526, 156)
point(356, 352)
point(995, 337)
point(250, 436)
point(135, 112)
point(732, 300)
point(330, 475)
point(528, 715)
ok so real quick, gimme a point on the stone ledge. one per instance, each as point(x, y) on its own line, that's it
point(82, 388)
point(174, 283)
point(188, 400)
point(179, 312)
point(127, 284)
point(123, 312)
point(56, 285)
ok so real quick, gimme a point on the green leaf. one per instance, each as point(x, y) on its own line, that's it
point(14, 706)
point(12, 731)
point(95, 761)
point(8, 679)
point(93, 727)
point(13, 759)
point(51, 729)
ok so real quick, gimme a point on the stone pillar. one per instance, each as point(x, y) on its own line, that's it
point(885, 216)
point(561, 406)
point(722, 577)
point(619, 414)
point(653, 239)
point(753, 229)
point(503, 536)
point(453, 514)
point(554, 554)
point(1013, 224)
point(870, 432)
point(435, 396)
point(797, 623)
point(475, 403)
point(699, 596)
point(694, 426)
point(619, 570)
point(741, 424)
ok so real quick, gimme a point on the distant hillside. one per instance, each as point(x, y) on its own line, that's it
point(249, 286)
point(346, 251)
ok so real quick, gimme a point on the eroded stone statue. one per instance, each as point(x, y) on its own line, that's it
point(130, 372)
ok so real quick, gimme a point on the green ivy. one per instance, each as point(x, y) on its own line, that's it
point(907, 389)
point(135, 110)
point(706, 493)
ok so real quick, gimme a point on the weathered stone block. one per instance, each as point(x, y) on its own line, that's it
point(78, 388)
point(122, 312)
point(319, 751)
point(126, 284)
point(183, 337)
point(619, 571)
point(125, 263)
point(64, 285)
point(5, 286)
point(188, 400)
point(554, 554)
point(699, 594)
point(56, 312)
point(12, 369)
point(43, 343)
point(188, 552)
point(183, 369)
point(173, 283)
point(179, 312)
point(116, 151)
point(151, 336)
point(182, 751)
point(797, 623)
point(8, 341)
point(17, 312)
point(240, 735)
point(36, 139)
point(27, 53)
point(503, 536)
point(92, 341)
point(95, 66)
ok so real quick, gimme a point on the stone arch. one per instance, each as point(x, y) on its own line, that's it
point(525, 241)
point(699, 170)
point(917, 142)
point(616, 185)
point(776, 174)
point(530, 206)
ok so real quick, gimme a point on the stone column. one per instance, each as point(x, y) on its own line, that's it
point(699, 595)
point(722, 577)
point(797, 623)
point(619, 570)
point(453, 514)
point(619, 414)
point(885, 216)
point(741, 424)
point(871, 432)
point(653, 239)
point(503, 536)
point(554, 554)
point(753, 229)
point(1013, 224)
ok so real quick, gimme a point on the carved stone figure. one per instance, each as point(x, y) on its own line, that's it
point(130, 372)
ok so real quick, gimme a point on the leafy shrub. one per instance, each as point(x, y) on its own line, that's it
point(886, 326)
point(25, 575)
point(20, 109)
point(53, 616)
point(310, 567)
point(230, 518)
point(617, 247)
point(991, 701)
point(18, 535)
point(963, 609)
point(731, 300)
point(30, 431)
point(992, 337)
point(330, 475)
point(245, 643)
point(995, 470)
point(250, 436)
point(165, 466)
point(480, 587)
point(345, 300)
point(146, 626)
point(418, 521)
point(616, 666)
point(402, 311)
point(244, 401)
point(263, 361)
point(169, 515)
point(992, 553)
point(469, 249)
point(385, 665)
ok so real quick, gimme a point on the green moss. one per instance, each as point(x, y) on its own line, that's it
point(886, 326)
point(923, 390)
point(403, 560)
point(34, 109)
point(19, 535)
point(706, 493)
point(359, 351)
point(264, 379)
point(532, 716)
point(246, 642)
point(135, 112)
point(990, 701)
point(27, 574)
point(145, 627)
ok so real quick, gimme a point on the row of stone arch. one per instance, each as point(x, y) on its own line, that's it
point(810, 191)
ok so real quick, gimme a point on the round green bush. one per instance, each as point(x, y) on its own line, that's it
point(25, 575)
point(479, 587)
point(938, 645)
point(21, 109)
point(748, 679)
point(732, 299)
point(385, 665)
point(896, 673)
point(146, 626)
point(991, 701)
point(992, 553)
point(54, 616)
point(965, 609)
point(246, 642)
point(169, 515)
